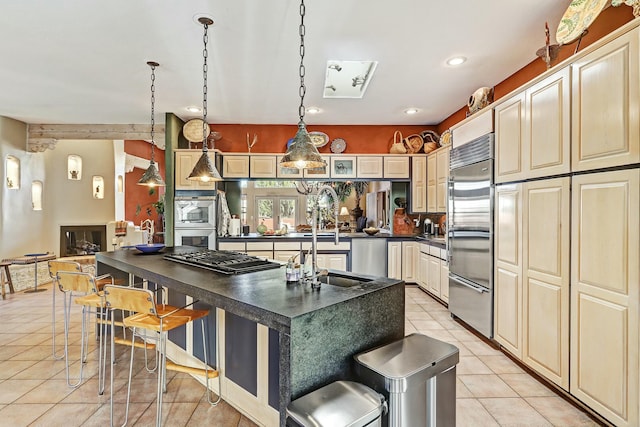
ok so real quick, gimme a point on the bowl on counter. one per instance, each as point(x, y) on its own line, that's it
point(371, 230)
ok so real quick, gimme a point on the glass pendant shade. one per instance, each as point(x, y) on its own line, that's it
point(204, 170)
point(151, 176)
point(302, 154)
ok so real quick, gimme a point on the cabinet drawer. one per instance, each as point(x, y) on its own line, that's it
point(259, 246)
point(286, 246)
point(434, 251)
point(328, 246)
point(231, 246)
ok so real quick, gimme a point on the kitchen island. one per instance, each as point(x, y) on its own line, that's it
point(312, 335)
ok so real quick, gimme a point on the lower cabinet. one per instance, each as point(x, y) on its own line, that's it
point(433, 270)
point(444, 280)
point(402, 260)
point(332, 261)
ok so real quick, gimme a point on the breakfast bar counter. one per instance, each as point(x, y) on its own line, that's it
point(313, 334)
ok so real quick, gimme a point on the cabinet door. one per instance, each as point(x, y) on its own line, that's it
point(434, 275)
point(410, 258)
point(262, 166)
point(319, 172)
point(235, 166)
point(548, 126)
point(432, 183)
point(369, 167)
point(605, 277)
point(336, 261)
point(510, 161)
point(185, 161)
point(343, 167)
point(444, 280)
point(605, 108)
point(288, 173)
point(394, 260)
point(419, 184)
point(423, 268)
point(508, 268)
point(442, 175)
point(284, 256)
point(545, 296)
point(396, 167)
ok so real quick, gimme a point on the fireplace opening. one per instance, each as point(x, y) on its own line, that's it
point(82, 239)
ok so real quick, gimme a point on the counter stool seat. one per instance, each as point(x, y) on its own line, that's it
point(5, 277)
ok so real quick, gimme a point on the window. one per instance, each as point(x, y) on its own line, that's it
point(276, 212)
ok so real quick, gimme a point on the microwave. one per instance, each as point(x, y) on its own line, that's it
point(200, 238)
point(195, 212)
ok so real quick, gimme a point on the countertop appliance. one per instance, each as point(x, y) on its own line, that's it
point(470, 234)
point(226, 262)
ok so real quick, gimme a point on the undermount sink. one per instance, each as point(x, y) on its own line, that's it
point(342, 281)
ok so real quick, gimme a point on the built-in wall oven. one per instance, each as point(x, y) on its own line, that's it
point(195, 221)
point(470, 234)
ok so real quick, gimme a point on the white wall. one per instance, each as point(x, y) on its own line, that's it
point(21, 228)
point(65, 202)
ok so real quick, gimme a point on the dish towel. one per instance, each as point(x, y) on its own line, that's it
point(224, 216)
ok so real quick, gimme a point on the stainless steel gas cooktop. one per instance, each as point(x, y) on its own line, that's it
point(225, 262)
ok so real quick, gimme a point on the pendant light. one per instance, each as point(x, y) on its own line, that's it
point(302, 154)
point(151, 176)
point(204, 170)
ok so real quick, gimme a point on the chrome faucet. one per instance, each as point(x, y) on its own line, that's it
point(313, 279)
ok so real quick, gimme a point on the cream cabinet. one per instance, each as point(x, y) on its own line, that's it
point(605, 105)
point(235, 166)
point(369, 166)
point(507, 327)
point(433, 281)
point(605, 279)
point(288, 173)
point(423, 267)
point(343, 167)
point(442, 178)
point(332, 261)
point(444, 279)
point(432, 183)
point(319, 173)
point(419, 184)
point(262, 166)
point(185, 160)
point(545, 284)
point(533, 130)
point(396, 167)
point(410, 259)
point(403, 258)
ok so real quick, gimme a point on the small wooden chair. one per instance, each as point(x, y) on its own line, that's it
point(83, 287)
point(5, 279)
point(157, 319)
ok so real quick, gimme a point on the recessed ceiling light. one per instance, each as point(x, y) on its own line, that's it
point(456, 60)
point(313, 110)
point(193, 109)
point(411, 111)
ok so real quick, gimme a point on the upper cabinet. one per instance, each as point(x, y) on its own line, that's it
point(369, 166)
point(185, 161)
point(533, 130)
point(343, 167)
point(419, 184)
point(472, 127)
point(262, 166)
point(605, 105)
point(235, 166)
point(396, 167)
point(442, 178)
point(289, 173)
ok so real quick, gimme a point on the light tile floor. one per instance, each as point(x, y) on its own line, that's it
point(491, 389)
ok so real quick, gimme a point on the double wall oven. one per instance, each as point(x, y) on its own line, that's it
point(195, 221)
point(470, 234)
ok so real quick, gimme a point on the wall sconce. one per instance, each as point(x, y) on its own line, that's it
point(98, 187)
point(12, 168)
point(120, 184)
point(74, 167)
point(36, 195)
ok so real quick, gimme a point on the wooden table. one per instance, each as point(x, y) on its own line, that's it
point(33, 259)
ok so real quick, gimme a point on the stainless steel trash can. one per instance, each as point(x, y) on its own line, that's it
point(339, 404)
point(417, 375)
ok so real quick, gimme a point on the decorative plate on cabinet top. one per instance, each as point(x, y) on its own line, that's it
point(338, 145)
point(445, 138)
point(577, 18)
point(194, 130)
point(319, 139)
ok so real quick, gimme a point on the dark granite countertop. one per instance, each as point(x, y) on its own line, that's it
point(263, 296)
point(323, 236)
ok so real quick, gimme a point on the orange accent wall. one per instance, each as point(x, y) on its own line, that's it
point(139, 194)
point(273, 138)
point(609, 20)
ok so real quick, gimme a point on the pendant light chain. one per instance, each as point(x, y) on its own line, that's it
point(205, 69)
point(153, 108)
point(303, 89)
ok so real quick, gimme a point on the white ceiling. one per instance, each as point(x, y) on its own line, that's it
point(84, 61)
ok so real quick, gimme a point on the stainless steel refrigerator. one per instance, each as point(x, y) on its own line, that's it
point(470, 234)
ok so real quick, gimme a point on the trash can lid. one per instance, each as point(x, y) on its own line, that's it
point(411, 355)
point(341, 403)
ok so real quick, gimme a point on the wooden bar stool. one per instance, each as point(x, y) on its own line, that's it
point(5, 277)
point(159, 320)
point(81, 288)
